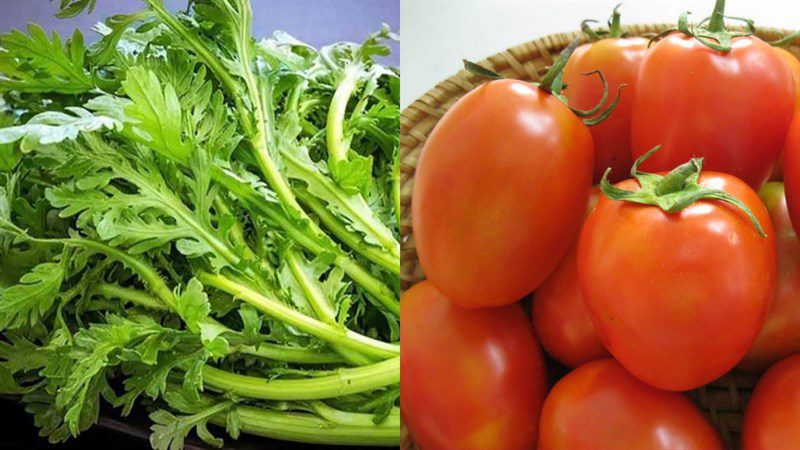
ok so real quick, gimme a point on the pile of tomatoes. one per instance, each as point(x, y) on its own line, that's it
point(655, 285)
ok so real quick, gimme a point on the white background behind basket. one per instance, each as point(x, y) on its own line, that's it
point(438, 34)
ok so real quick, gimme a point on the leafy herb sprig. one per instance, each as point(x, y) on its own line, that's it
point(201, 223)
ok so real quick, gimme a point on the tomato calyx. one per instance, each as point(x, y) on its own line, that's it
point(673, 191)
point(785, 40)
point(614, 29)
point(553, 83)
point(713, 35)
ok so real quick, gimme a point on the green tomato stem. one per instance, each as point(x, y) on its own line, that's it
point(674, 191)
point(717, 22)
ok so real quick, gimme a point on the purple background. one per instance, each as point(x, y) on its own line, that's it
point(318, 22)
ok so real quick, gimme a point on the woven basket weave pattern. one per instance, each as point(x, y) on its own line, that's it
point(724, 400)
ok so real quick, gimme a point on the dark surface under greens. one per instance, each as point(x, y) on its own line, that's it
point(201, 223)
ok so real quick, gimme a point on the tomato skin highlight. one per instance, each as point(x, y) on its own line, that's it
point(772, 417)
point(791, 171)
point(731, 108)
point(600, 405)
point(560, 318)
point(780, 335)
point(471, 379)
point(678, 298)
point(619, 60)
point(499, 192)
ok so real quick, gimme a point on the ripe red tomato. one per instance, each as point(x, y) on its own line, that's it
point(791, 171)
point(560, 317)
point(499, 192)
point(772, 417)
point(695, 101)
point(794, 66)
point(472, 379)
point(618, 59)
point(601, 405)
point(780, 335)
point(678, 298)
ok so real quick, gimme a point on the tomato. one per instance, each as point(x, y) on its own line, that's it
point(472, 379)
point(678, 298)
point(560, 317)
point(791, 171)
point(772, 417)
point(731, 108)
point(618, 60)
point(499, 191)
point(601, 405)
point(780, 335)
point(794, 66)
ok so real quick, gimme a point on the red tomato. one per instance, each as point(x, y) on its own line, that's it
point(678, 298)
point(791, 171)
point(560, 317)
point(772, 418)
point(499, 191)
point(618, 60)
point(472, 379)
point(600, 405)
point(794, 66)
point(780, 335)
point(695, 101)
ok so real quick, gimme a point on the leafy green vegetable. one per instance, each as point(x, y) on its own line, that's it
point(202, 224)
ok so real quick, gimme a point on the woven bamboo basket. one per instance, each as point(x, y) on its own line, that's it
point(723, 401)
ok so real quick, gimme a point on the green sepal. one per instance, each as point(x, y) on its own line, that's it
point(673, 191)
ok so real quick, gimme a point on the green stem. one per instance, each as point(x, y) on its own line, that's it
point(257, 136)
point(551, 82)
point(311, 240)
point(717, 22)
point(354, 205)
point(298, 355)
point(337, 144)
point(349, 238)
point(674, 191)
point(276, 309)
point(141, 268)
point(309, 428)
point(203, 52)
point(614, 28)
point(345, 382)
point(111, 290)
point(321, 306)
point(350, 418)
point(163, 293)
point(265, 350)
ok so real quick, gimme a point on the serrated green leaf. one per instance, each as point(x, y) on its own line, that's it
point(24, 304)
point(35, 63)
point(156, 113)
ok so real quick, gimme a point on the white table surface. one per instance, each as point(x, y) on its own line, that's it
point(438, 34)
